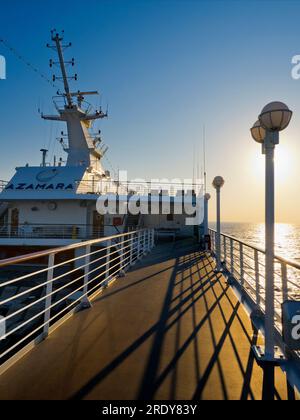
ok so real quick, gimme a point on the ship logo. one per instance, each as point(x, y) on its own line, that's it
point(47, 175)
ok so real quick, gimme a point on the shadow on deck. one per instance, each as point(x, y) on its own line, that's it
point(171, 329)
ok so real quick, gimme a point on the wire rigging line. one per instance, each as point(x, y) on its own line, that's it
point(27, 63)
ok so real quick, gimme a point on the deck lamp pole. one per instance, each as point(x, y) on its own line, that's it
point(218, 183)
point(274, 117)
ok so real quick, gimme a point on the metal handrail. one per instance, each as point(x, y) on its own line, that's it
point(56, 231)
point(33, 310)
point(251, 270)
point(106, 186)
point(279, 258)
point(45, 253)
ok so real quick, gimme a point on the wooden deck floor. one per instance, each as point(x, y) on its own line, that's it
point(171, 329)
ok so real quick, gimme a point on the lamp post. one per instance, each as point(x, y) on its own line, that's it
point(218, 183)
point(274, 117)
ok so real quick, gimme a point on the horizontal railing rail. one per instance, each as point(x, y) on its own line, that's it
point(61, 231)
point(246, 263)
point(60, 280)
point(140, 188)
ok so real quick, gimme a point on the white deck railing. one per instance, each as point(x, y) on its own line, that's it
point(53, 231)
point(246, 263)
point(38, 289)
point(105, 186)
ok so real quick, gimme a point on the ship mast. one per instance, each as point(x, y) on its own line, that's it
point(82, 147)
point(57, 39)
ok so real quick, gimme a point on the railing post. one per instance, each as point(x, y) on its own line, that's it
point(231, 257)
point(241, 264)
point(139, 246)
point(122, 269)
point(85, 302)
point(132, 247)
point(108, 251)
point(144, 243)
point(285, 291)
point(257, 278)
point(48, 300)
point(225, 250)
point(149, 240)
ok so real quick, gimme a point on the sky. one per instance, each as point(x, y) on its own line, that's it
point(166, 69)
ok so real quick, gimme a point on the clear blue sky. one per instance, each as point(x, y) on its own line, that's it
point(166, 67)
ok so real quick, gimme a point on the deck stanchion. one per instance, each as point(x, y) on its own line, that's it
point(131, 248)
point(139, 245)
point(122, 268)
point(144, 243)
point(85, 302)
point(218, 183)
point(148, 240)
point(107, 266)
point(285, 290)
point(242, 279)
point(206, 230)
point(257, 278)
point(49, 290)
point(231, 257)
point(225, 250)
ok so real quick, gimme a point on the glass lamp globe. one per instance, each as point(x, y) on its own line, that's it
point(207, 196)
point(218, 182)
point(258, 132)
point(275, 116)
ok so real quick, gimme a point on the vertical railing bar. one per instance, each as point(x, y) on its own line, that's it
point(231, 257)
point(149, 240)
point(257, 278)
point(241, 264)
point(85, 299)
point(49, 289)
point(144, 243)
point(108, 250)
point(122, 268)
point(139, 246)
point(132, 242)
point(285, 291)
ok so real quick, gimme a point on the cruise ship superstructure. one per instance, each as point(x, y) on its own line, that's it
point(55, 204)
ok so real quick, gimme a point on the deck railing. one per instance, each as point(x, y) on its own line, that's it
point(39, 289)
point(105, 186)
point(246, 263)
point(53, 231)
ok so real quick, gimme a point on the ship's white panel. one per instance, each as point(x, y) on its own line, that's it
point(66, 213)
point(50, 183)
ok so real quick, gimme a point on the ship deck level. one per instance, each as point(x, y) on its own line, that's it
point(170, 329)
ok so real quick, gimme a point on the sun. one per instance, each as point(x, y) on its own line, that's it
point(284, 164)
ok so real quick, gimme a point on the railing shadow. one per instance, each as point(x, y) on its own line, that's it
point(192, 279)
